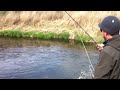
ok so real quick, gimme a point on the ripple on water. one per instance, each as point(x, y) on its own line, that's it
point(42, 62)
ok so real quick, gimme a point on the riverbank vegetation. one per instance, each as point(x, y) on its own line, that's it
point(52, 24)
point(33, 35)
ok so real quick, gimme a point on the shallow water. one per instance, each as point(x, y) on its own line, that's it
point(35, 59)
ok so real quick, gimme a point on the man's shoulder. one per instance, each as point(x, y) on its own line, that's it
point(109, 50)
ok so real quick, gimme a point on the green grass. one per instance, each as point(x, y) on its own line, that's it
point(84, 38)
point(44, 36)
point(101, 40)
point(87, 39)
point(11, 34)
point(64, 36)
point(38, 35)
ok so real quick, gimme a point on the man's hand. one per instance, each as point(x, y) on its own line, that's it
point(100, 46)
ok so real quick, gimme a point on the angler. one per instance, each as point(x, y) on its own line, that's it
point(109, 58)
point(108, 66)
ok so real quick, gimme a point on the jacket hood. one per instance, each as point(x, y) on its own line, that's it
point(113, 42)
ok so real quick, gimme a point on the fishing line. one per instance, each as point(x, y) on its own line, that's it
point(84, 45)
point(81, 27)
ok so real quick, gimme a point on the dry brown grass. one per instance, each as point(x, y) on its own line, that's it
point(54, 21)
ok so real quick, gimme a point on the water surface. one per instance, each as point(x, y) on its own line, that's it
point(35, 59)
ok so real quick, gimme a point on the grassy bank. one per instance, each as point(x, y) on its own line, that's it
point(33, 35)
point(41, 35)
point(56, 22)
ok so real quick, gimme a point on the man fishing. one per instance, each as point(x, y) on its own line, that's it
point(108, 66)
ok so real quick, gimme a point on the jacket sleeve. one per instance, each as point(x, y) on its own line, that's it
point(104, 67)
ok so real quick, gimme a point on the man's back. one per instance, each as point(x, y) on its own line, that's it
point(109, 64)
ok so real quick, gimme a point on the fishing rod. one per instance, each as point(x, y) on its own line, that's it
point(81, 28)
point(91, 66)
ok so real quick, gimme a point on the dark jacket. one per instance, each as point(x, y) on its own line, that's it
point(109, 60)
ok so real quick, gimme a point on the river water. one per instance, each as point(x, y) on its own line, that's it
point(36, 59)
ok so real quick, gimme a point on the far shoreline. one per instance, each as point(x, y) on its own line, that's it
point(46, 36)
